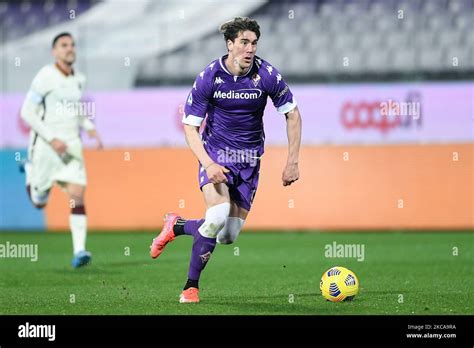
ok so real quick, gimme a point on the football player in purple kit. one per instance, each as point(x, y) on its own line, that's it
point(232, 91)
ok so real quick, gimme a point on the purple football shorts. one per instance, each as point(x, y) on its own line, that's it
point(242, 179)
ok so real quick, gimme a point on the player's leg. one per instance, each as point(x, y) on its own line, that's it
point(175, 225)
point(205, 237)
point(38, 177)
point(204, 233)
point(39, 199)
point(242, 196)
point(233, 224)
point(213, 196)
point(78, 224)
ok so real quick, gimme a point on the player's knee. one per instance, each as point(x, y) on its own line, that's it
point(225, 239)
point(76, 201)
point(39, 200)
point(231, 230)
point(216, 217)
point(76, 195)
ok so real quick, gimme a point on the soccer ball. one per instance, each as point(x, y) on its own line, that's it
point(339, 284)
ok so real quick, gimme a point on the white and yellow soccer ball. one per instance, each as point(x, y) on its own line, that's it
point(339, 284)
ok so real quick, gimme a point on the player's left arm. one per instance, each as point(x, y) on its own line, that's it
point(291, 172)
point(285, 103)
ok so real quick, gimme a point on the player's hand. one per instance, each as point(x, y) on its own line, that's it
point(291, 173)
point(58, 146)
point(98, 142)
point(215, 173)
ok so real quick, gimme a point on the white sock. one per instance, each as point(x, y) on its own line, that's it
point(231, 230)
point(78, 225)
point(215, 220)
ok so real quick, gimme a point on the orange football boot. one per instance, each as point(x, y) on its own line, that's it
point(190, 295)
point(166, 235)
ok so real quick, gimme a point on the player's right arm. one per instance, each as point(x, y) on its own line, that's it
point(214, 171)
point(194, 113)
point(31, 111)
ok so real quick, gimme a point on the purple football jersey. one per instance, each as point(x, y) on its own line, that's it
point(235, 104)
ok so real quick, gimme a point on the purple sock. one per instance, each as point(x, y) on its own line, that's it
point(202, 250)
point(191, 226)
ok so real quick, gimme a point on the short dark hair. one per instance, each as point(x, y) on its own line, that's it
point(232, 28)
point(57, 37)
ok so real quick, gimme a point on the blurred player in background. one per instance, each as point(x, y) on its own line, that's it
point(233, 91)
point(55, 148)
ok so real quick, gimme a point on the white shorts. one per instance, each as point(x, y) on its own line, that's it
point(46, 167)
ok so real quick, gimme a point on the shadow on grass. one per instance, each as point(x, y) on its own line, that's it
point(387, 292)
point(104, 267)
point(84, 270)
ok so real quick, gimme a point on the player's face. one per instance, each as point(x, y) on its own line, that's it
point(65, 50)
point(243, 49)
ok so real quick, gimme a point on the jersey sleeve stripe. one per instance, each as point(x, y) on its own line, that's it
point(287, 107)
point(193, 120)
point(34, 97)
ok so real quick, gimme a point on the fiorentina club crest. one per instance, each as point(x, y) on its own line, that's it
point(205, 257)
point(255, 79)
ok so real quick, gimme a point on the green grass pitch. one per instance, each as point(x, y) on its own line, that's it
point(262, 273)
